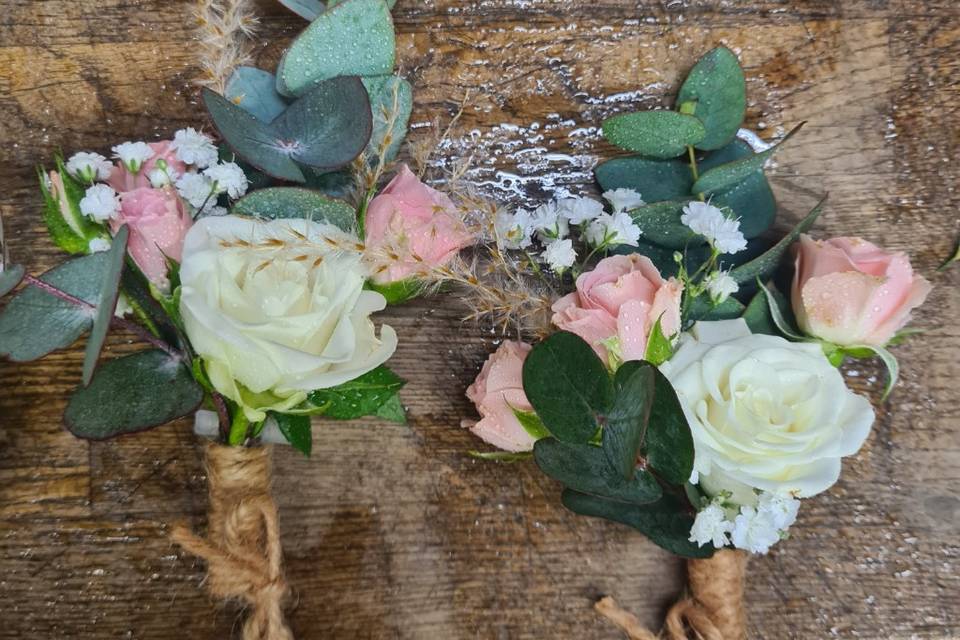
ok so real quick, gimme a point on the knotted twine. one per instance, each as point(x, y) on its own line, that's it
point(714, 610)
point(242, 547)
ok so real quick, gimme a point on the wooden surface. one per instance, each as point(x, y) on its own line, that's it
point(393, 532)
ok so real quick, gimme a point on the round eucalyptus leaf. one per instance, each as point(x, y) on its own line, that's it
point(585, 468)
point(306, 9)
point(107, 302)
point(296, 202)
point(657, 134)
point(654, 180)
point(10, 277)
point(255, 91)
point(660, 224)
point(717, 87)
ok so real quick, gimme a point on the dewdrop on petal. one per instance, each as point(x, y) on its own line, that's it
point(100, 203)
point(132, 155)
point(89, 167)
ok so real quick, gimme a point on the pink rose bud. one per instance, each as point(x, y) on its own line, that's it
point(122, 180)
point(848, 291)
point(414, 221)
point(621, 298)
point(497, 391)
point(157, 223)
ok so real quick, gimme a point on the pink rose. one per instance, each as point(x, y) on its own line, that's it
point(496, 392)
point(157, 223)
point(849, 291)
point(122, 180)
point(622, 297)
point(411, 219)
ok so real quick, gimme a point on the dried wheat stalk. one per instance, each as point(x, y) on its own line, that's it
point(224, 32)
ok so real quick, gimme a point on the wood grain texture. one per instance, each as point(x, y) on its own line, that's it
point(392, 532)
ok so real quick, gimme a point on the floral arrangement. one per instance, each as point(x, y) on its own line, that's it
point(678, 391)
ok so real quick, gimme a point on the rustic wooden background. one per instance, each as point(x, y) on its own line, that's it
point(393, 532)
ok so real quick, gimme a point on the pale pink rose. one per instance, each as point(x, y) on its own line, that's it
point(849, 291)
point(122, 180)
point(623, 296)
point(157, 222)
point(496, 392)
point(411, 219)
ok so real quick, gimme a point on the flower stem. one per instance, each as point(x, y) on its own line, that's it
point(238, 428)
point(693, 167)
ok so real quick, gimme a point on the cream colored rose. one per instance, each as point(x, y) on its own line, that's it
point(765, 413)
point(276, 311)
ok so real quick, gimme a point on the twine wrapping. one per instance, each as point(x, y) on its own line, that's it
point(242, 548)
point(714, 610)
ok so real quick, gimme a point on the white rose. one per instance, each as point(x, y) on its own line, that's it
point(275, 311)
point(765, 413)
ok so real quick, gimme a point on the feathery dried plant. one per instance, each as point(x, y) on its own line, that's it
point(224, 32)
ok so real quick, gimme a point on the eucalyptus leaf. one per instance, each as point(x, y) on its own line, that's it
point(296, 202)
point(10, 277)
point(668, 445)
point(297, 430)
point(750, 200)
point(703, 308)
point(132, 393)
point(718, 89)
point(727, 175)
point(255, 91)
point(353, 38)
point(763, 266)
point(654, 180)
point(334, 184)
point(660, 223)
point(107, 302)
point(391, 101)
point(330, 3)
point(586, 468)
point(657, 134)
point(666, 522)
point(568, 386)
point(627, 420)
point(359, 397)
point(757, 316)
point(306, 9)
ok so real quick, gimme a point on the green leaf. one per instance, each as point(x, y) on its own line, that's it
point(296, 202)
point(717, 87)
point(654, 180)
point(392, 410)
point(659, 348)
point(132, 393)
point(658, 134)
point(362, 396)
point(501, 456)
point(35, 323)
point(669, 444)
point(326, 129)
point(953, 258)
point(297, 431)
point(752, 199)
point(568, 385)
point(763, 266)
point(775, 307)
point(107, 302)
point(391, 101)
point(334, 184)
point(10, 277)
point(531, 423)
point(703, 308)
point(586, 468)
point(660, 224)
point(732, 173)
point(397, 292)
point(68, 228)
point(355, 38)
point(627, 421)
point(255, 91)
point(166, 325)
point(306, 9)
point(757, 316)
point(666, 522)
point(888, 359)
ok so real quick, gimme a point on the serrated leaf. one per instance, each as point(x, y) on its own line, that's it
point(660, 223)
point(626, 422)
point(296, 202)
point(531, 423)
point(654, 180)
point(391, 101)
point(659, 348)
point(306, 9)
point(586, 468)
point(10, 277)
point(666, 522)
point(297, 431)
point(668, 445)
point(392, 410)
point(657, 134)
point(106, 303)
point(727, 175)
point(132, 393)
point(763, 266)
point(362, 396)
point(354, 38)
point(568, 386)
point(717, 87)
point(255, 91)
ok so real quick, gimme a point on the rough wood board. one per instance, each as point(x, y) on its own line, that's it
point(391, 532)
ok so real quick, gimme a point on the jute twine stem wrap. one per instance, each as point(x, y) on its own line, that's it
point(714, 609)
point(242, 547)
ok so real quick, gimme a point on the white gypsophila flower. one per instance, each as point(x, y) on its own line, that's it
point(100, 203)
point(579, 210)
point(214, 210)
point(560, 255)
point(721, 286)
point(89, 167)
point(781, 508)
point(623, 199)
point(548, 223)
point(754, 531)
point(711, 526)
point(98, 245)
point(160, 178)
point(132, 155)
point(513, 229)
point(227, 177)
point(612, 229)
point(193, 147)
point(721, 232)
point(195, 189)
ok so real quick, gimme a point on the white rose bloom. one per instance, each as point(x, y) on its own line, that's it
point(228, 177)
point(711, 526)
point(513, 230)
point(132, 155)
point(193, 147)
point(276, 312)
point(765, 413)
point(89, 167)
point(720, 231)
point(623, 199)
point(100, 203)
point(560, 255)
point(579, 210)
point(754, 531)
point(195, 189)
